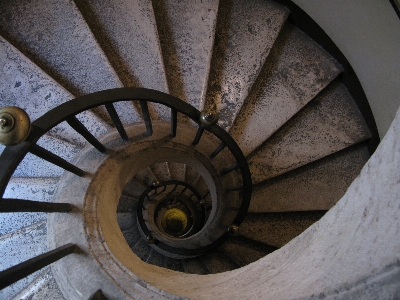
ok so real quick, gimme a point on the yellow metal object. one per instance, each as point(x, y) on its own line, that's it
point(174, 222)
point(15, 125)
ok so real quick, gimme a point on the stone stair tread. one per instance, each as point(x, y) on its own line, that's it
point(43, 286)
point(132, 235)
point(316, 186)
point(19, 246)
point(246, 32)
point(194, 266)
point(296, 70)
point(134, 188)
point(244, 252)
point(142, 249)
point(186, 30)
point(177, 171)
point(216, 262)
point(329, 123)
point(161, 171)
point(277, 229)
point(191, 176)
point(125, 220)
point(33, 166)
point(53, 34)
point(127, 204)
point(146, 177)
point(25, 85)
point(156, 258)
point(124, 29)
point(36, 189)
point(173, 264)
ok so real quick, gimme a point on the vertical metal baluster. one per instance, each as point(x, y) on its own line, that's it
point(117, 121)
point(198, 135)
point(54, 159)
point(218, 150)
point(174, 121)
point(146, 117)
point(82, 130)
point(230, 169)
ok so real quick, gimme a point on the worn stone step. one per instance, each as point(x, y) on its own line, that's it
point(36, 189)
point(177, 170)
point(134, 188)
point(316, 186)
point(277, 229)
point(216, 262)
point(33, 166)
point(194, 266)
point(245, 251)
point(19, 246)
point(187, 30)
point(56, 37)
point(329, 123)
point(142, 249)
point(161, 171)
point(245, 34)
point(43, 287)
point(127, 204)
point(132, 236)
point(296, 70)
point(146, 177)
point(192, 176)
point(25, 85)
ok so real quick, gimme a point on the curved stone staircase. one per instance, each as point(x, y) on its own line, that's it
point(278, 94)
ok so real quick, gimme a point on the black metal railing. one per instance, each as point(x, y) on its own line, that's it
point(13, 155)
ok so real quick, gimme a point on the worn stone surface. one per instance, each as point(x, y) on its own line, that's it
point(186, 30)
point(216, 262)
point(33, 166)
point(192, 176)
point(19, 246)
point(277, 229)
point(25, 85)
point(296, 70)
point(37, 189)
point(161, 171)
point(43, 287)
point(245, 34)
point(177, 171)
point(316, 186)
point(194, 266)
point(328, 124)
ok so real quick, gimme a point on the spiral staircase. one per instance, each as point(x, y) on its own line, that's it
point(284, 100)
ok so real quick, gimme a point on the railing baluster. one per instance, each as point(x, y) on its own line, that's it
point(218, 150)
point(174, 121)
point(146, 117)
point(32, 265)
point(238, 188)
point(82, 130)
point(198, 135)
point(230, 169)
point(18, 205)
point(117, 121)
point(54, 159)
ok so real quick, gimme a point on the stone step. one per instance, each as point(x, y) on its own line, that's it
point(127, 32)
point(36, 189)
point(25, 85)
point(134, 188)
point(329, 123)
point(142, 249)
point(277, 229)
point(244, 251)
point(316, 186)
point(43, 287)
point(192, 176)
point(161, 171)
point(296, 70)
point(194, 266)
point(19, 246)
point(216, 262)
point(186, 30)
point(146, 177)
point(245, 34)
point(33, 166)
point(173, 264)
point(177, 170)
point(127, 204)
point(56, 37)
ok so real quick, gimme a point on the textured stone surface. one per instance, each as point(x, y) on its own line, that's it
point(192, 176)
point(33, 166)
point(296, 70)
point(43, 287)
point(19, 246)
point(215, 262)
point(194, 266)
point(24, 84)
point(177, 171)
point(277, 229)
point(134, 188)
point(187, 30)
point(245, 34)
point(161, 171)
point(328, 124)
point(316, 186)
point(37, 189)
